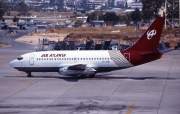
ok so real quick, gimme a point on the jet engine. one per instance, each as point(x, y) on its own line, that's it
point(70, 72)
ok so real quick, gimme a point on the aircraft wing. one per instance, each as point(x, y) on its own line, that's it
point(77, 67)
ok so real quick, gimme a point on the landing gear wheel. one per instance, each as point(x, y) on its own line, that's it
point(29, 74)
point(91, 76)
point(83, 76)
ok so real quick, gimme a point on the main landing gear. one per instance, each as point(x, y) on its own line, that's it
point(87, 76)
point(29, 74)
point(91, 76)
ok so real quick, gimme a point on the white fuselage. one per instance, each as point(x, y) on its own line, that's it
point(52, 61)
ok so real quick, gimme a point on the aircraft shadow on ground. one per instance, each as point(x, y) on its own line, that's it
point(69, 79)
point(133, 78)
point(97, 77)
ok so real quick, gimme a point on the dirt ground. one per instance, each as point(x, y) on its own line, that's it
point(34, 37)
point(98, 34)
point(4, 45)
point(123, 34)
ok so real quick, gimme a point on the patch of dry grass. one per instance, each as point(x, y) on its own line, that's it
point(99, 30)
point(105, 33)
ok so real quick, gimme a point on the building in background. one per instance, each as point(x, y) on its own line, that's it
point(135, 5)
point(92, 5)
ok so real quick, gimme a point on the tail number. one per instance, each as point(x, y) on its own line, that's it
point(150, 34)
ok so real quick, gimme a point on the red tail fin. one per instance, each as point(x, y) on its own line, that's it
point(149, 41)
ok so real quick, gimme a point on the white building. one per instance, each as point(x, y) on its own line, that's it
point(94, 4)
point(129, 1)
point(135, 5)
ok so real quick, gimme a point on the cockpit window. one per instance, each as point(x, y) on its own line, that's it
point(19, 58)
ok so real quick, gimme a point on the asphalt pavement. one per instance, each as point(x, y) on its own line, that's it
point(152, 88)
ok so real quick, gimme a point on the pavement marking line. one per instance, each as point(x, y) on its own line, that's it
point(31, 80)
point(162, 59)
point(18, 73)
point(130, 109)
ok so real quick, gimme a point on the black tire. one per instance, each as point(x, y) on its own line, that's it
point(29, 74)
point(91, 76)
point(83, 76)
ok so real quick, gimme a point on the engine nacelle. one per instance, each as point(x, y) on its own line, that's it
point(68, 72)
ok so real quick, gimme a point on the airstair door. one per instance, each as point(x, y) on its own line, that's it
point(31, 59)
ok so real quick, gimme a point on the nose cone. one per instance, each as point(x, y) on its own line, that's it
point(11, 63)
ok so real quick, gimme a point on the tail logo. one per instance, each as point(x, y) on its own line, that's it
point(150, 34)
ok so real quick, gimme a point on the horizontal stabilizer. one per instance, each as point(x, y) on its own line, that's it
point(149, 53)
point(166, 50)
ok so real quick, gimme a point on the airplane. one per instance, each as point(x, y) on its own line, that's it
point(90, 62)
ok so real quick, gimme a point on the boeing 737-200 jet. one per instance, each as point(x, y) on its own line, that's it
point(90, 62)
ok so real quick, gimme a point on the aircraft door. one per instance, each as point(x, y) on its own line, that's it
point(127, 56)
point(31, 59)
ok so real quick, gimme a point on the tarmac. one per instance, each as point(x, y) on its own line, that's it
point(152, 88)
